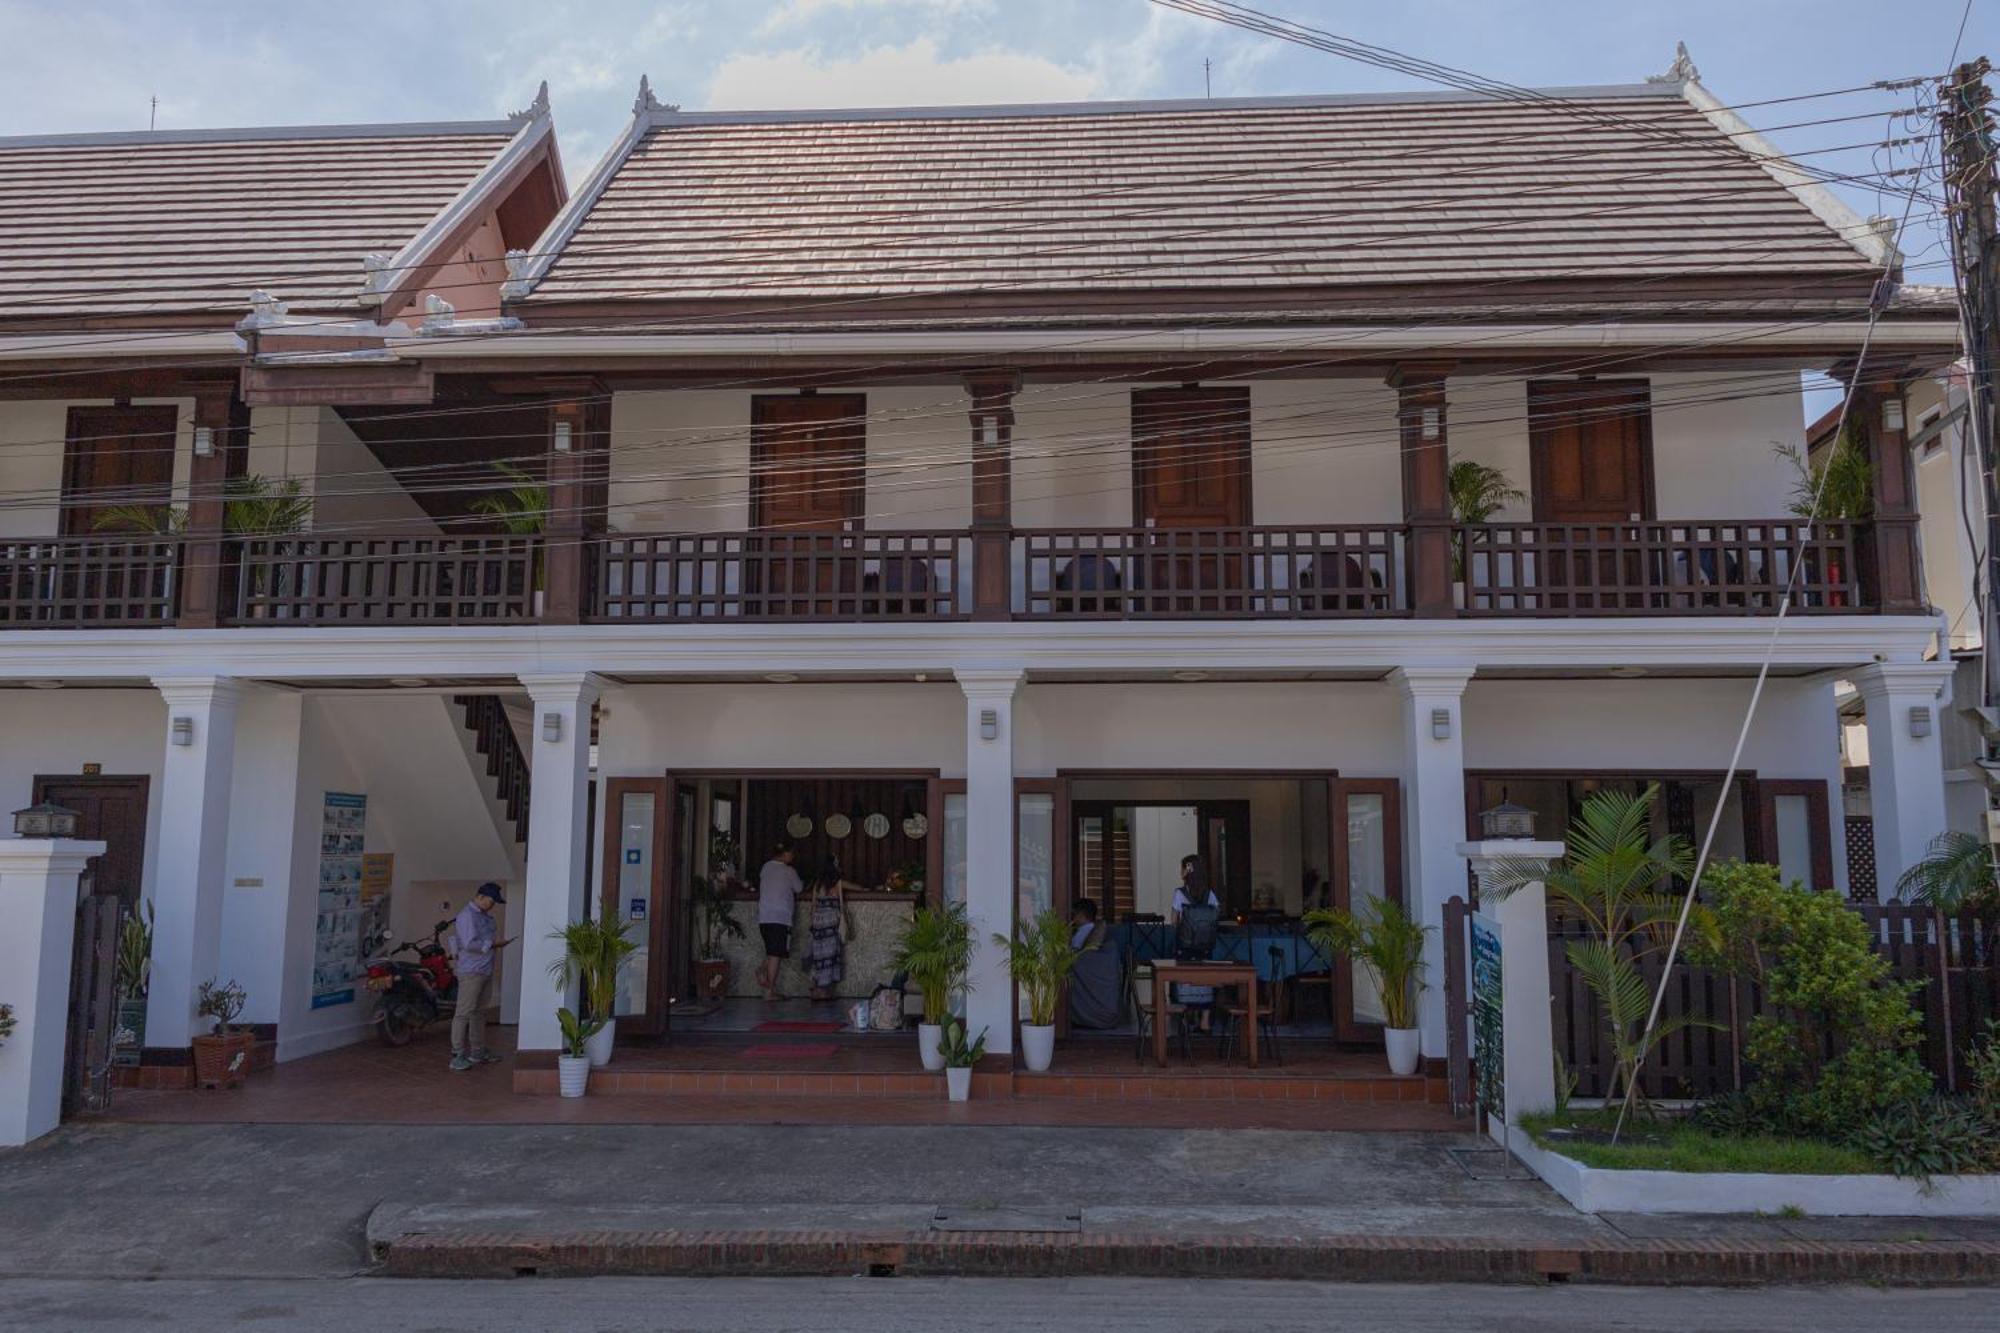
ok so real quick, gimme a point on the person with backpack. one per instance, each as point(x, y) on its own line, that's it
point(1196, 914)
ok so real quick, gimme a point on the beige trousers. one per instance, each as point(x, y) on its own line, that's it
point(468, 1021)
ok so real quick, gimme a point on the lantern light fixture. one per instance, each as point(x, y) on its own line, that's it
point(45, 819)
point(1892, 413)
point(181, 732)
point(204, 442)
point(1507, 820)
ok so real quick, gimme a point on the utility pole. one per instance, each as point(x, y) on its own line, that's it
point(1965, 122)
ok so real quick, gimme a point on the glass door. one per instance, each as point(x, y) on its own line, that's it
point(636, 829)
point(1367, 864)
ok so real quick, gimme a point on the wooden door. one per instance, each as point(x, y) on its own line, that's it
point(808, 485)
point(111, 810)
point(1225, 850)
point(1590, 448)
point(1366, 830)
point(1191, 488)
point(1795, 828)
point(114, 457)
point(637, 892)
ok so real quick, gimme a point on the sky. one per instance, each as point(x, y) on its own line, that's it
point(79, 65)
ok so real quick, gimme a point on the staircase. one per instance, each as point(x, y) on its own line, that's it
point(493, 736)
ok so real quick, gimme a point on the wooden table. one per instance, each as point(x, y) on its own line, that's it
point(1166, 971)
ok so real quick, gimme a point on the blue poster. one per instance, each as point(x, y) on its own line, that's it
point(1489, 1085)
point(337, 937)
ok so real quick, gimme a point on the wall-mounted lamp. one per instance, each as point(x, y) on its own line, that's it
point(551, 726)
point(989, 724)
point(1440, 724)
point(204, 441)
point(1431, 422)
point(182, 731)
point(1892, 413)
point(562, 437)
point(1920, 721)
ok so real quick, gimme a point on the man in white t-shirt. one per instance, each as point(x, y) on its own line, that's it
point(778, 888)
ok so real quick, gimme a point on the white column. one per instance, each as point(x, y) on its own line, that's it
point(1527, 1033)
point(38, 897)
point(557, 834)
point(989, 847)
point(1905, 769)
point(188, 879)
point(1433, 818)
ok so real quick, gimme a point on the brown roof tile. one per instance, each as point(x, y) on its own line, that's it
point(1297, 193)
point(189, 224)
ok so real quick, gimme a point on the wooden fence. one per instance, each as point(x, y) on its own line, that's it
point(1704, 1060)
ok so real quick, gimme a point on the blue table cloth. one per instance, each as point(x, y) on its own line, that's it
point(1144, 941)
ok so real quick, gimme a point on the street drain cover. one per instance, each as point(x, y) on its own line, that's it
point(1006, 1219)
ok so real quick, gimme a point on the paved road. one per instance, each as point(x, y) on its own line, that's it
point(974, 1306)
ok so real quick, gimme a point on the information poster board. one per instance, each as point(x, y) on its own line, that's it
point(337, 940)
point(378, 872)
point(1488, 1071)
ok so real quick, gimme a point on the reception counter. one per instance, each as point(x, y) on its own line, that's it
point(877, 921)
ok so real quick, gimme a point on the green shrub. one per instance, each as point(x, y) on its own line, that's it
point(1837, 1047)
point(1930, 1136)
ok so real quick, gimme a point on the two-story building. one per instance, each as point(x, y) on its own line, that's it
point(1003, 501)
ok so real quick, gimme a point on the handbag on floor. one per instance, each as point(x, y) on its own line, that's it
point(885, 1009)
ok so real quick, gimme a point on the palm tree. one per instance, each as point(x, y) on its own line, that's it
point(1477, 492)
point(522, 509)
point(1617, 879)
point(252, 506)
point(1956, 875)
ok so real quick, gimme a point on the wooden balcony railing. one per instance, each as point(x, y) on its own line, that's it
point(1681, 567)
point(1209, 573)
point(88, 582)
point(782, 576)
point(387, 580)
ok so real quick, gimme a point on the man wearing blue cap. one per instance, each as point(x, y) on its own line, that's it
point(473, 946)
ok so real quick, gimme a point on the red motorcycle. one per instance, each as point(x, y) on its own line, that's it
point(415, 992)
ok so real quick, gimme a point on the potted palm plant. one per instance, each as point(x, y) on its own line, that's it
point(521, 510)
point(959, 1056)
point(221, 1058)
point(573, 1062)
point(1383, 939)
point(936, 952)
point(1039, 959)
point(594, 953)
point(1477, 491)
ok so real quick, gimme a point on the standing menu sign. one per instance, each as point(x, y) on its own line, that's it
point(337, 941)
point(1489, 1080)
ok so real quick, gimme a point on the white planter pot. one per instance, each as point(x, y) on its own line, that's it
point(958, 1083)
point(1403, 1051)
point(572, 1074)
point(928, 1037)
point(1038, 1045)
point(598, 1045)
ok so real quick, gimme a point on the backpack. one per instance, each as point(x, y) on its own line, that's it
point(885, 1009)
point(1195, 938)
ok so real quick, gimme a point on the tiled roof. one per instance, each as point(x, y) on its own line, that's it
point(175, 225)
point(1616, 184)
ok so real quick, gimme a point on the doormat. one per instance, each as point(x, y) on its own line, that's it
point(793, 1051)
point(798, 1025)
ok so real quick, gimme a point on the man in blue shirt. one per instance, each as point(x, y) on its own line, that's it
point(473, 946)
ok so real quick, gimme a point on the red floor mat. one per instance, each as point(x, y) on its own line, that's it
point(793, 1051)
point(798, 1025)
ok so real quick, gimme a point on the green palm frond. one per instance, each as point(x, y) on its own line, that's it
point(1956, 871)
point(1386, 940)
point(936, 952)
point(523, 509)
point(1039, 960)
point(1478, 491)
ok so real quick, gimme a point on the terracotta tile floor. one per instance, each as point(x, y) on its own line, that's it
point(370, 1084)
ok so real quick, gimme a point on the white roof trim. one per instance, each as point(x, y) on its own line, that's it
point(526, 268)
point(1874, 238)
point(117, 138)
point(387, 272)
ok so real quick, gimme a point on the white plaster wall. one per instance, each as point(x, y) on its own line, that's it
point(1073, 455)
point(257, 886)
point(647, 729)
point(57, 732)
point(352, 491)
point(1945, 477)
point(1715, 442)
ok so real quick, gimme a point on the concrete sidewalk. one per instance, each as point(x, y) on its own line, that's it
point(270, 1201)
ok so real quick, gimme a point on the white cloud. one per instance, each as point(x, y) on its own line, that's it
point(912, 75)
point(800, 13)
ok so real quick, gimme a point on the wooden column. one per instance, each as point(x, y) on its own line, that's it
point(574, 472)
point(217, 419)
point(992, 492)
point(1420, 422)
point(1890, 560)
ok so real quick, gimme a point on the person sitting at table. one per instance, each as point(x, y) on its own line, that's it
point(1196, 914)
point(1085, 930)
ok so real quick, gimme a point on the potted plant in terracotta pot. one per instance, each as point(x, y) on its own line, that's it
point(959, 1057)
point(222, 1058)
point(594, 953)
point(936, 952)
point(715, 921)
point(573, 1062)
point(1039, 959)
point(1382, 939)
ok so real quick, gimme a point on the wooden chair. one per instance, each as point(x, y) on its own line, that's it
point(1267, 1013)
point(1140, 991)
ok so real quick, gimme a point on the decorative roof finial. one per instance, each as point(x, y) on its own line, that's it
point(437, 313)
point(1681, 71)
point(536, 109)
point(645, 101)
point(266, 306)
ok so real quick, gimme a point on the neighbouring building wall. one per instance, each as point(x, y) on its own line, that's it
point(1950, 500)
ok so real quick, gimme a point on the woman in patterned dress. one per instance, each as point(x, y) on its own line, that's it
point(826, 961)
